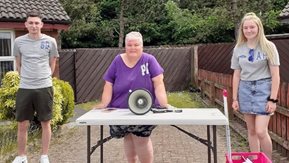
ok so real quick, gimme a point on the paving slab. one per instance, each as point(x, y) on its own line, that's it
point(170, 146)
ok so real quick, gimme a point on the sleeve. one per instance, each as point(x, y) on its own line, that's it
point(154, 67)
point(111, 71)
point(16, 50)
point(53, 50)
point(275, 56)
point(235, 60)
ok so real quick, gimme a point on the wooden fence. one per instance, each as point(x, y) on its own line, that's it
point(84, 69)
point(214, 75)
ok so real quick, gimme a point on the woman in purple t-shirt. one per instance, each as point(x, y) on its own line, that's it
point(129, 71)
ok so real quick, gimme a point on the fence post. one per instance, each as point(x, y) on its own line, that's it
point(230, 97)
point(195, 65)
point(213, 91)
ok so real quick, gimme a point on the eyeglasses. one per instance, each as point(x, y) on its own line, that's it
point(251, 55)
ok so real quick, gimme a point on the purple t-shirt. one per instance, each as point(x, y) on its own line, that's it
point(125, 79)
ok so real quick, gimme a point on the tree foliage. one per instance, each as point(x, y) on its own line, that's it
point(103, 23)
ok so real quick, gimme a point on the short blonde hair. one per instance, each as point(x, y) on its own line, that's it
point(134, 35)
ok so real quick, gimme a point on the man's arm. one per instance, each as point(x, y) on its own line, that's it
point(52, 63)
point(18, 63)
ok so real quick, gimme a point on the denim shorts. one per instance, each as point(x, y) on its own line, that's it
point(253, 96)
point(119, 131)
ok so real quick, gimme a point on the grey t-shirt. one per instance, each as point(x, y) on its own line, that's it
point(255, 69)
point(35, 56)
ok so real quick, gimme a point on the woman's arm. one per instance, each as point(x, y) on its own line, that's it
point(271, 107)
point(236, 81)
point(275, 81)
point(106, 96)
point(160, 90)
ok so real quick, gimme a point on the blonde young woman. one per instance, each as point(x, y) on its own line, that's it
point(256, 80)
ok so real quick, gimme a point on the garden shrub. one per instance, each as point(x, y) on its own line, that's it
point(68, 102)
point(8, 90)
point(58, 99)
point(63, 99)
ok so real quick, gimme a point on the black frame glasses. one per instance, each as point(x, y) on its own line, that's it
point(251, 55)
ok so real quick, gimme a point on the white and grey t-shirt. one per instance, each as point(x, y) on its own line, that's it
point(253, 66)
point(35, 56)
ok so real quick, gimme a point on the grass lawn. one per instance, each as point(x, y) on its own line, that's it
point(8, 140)
point(87, 106)
point(8, 133)
point(185, 99)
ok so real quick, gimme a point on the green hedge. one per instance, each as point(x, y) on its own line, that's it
point(67, 105)
point(63, 100)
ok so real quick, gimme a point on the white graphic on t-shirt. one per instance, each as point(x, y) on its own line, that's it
point(144, 69)
point(261, 56)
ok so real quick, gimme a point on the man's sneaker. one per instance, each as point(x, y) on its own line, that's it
point(44, 159)
point(20, 159)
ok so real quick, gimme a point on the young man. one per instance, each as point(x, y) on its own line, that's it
point(35, 55)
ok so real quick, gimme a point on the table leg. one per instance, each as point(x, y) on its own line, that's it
point(101, 146)
point(88, 144)
point(209, 143)
point(215, 143)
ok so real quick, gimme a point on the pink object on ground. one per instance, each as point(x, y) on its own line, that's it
point(255, 157)
point(225, 93)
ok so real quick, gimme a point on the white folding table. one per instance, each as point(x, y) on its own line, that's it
point(188, 116)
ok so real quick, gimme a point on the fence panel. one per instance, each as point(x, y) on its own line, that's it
point(84, 69)
point(90, 65)
point(66, 66)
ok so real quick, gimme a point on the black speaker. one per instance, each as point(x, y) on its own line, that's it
point(140, 101)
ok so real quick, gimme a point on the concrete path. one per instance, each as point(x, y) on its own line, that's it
point(170, 145)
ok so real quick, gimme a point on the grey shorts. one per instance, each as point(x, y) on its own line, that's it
point(253, 96)
point(31, 101)
point(119, 131)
